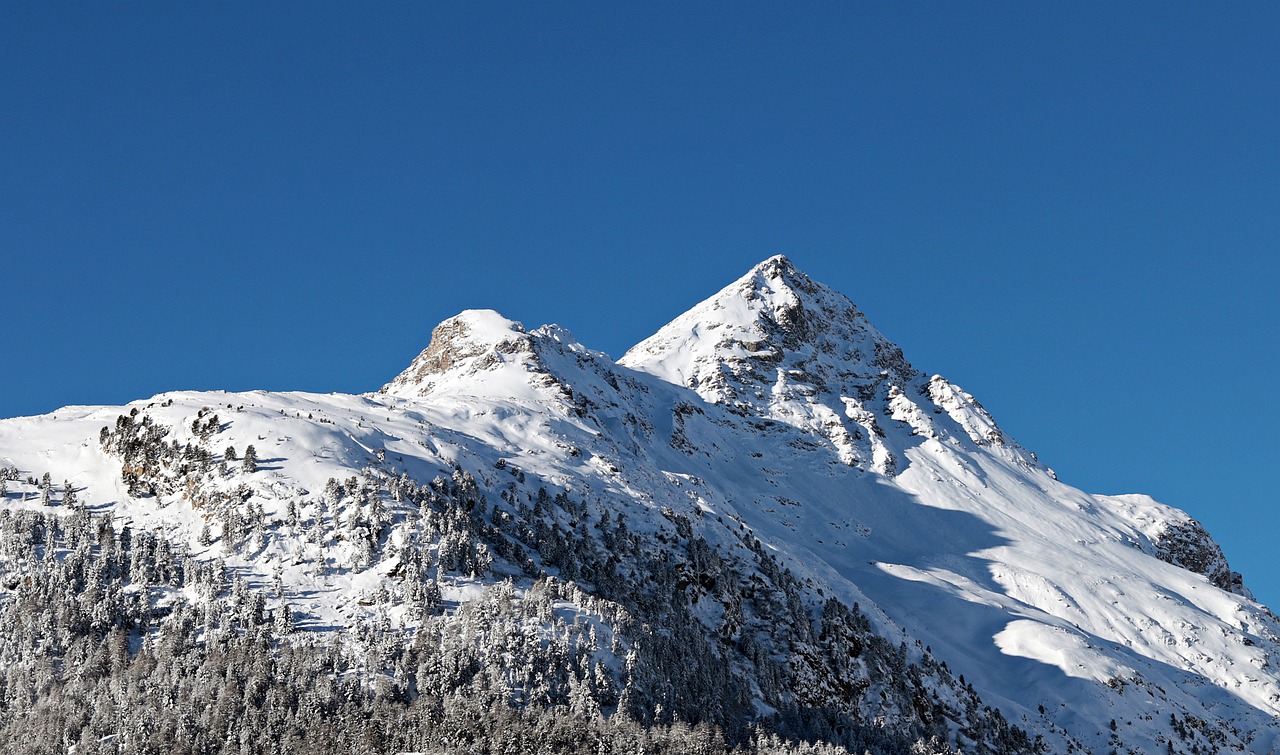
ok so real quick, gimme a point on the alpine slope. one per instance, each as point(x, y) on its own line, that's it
point(770, 438)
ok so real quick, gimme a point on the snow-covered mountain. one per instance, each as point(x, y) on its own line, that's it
point(763, 514)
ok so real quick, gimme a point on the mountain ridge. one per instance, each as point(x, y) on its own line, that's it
point(771, 421)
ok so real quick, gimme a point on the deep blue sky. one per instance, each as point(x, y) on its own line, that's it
point(1072, 210)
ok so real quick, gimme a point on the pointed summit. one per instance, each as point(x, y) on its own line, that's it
point(778, 272)
point(776, 265)
point(777, 344)
point(774, 314)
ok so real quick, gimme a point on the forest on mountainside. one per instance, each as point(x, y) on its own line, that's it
point(587, 636)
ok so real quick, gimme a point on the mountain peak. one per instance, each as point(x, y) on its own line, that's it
point(783, 286)
point(774, 314)
point(775, 343)
point(471, 342)
point(779, 271)
point(479, 353)
point(778, 264)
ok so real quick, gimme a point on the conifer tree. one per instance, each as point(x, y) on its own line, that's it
point(282, 619)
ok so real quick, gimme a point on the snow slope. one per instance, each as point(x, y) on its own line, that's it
point(773, 408)
point(1040, 594)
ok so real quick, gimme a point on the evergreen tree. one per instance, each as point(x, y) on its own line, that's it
point(250, 463)
point(282, 620)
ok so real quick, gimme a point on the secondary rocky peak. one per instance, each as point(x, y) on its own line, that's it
point(481, 354)
point(468, 343)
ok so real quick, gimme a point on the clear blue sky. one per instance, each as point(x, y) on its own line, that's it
point(1072, 210)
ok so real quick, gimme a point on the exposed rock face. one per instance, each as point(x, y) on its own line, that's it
point(469, 342)
point(1189, 545)
point(1174, 537)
